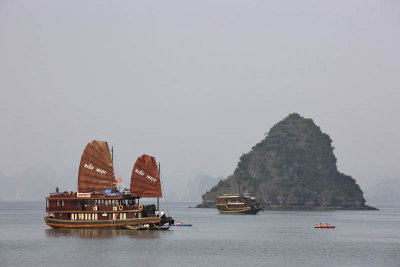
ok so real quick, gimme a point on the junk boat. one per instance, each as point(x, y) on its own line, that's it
point(237, 204)
point(98, 203)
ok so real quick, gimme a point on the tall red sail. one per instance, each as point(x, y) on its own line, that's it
point(145, 180)
point(96, 172)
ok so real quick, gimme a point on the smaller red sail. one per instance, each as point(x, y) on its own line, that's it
point(145, 180)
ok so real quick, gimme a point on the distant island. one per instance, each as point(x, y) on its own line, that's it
point(292, 168)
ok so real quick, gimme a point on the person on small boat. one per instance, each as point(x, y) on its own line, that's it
point(326, 225)
point(162, 217)
point(320, 225)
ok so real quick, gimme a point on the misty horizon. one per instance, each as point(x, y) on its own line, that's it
point(195, 85)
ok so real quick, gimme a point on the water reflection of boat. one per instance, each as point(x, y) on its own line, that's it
point(100, 233)
point(98, 203)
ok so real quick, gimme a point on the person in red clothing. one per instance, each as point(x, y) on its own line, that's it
point(326, 225)
point(320, 225)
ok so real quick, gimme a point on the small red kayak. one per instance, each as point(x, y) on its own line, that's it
point(326, 227)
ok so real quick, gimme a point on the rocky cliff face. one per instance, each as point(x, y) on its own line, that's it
point(293, 167)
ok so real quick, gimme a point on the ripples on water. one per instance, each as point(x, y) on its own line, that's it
point(272, 238)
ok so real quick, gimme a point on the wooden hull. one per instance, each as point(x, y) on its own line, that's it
point(324, 227)
point(56, 223)
point(224, 209)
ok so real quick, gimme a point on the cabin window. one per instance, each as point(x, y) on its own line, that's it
point(58, 203)
point(62, 203)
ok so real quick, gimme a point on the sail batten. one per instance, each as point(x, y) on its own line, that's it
point(145, 179)
point(96, 171)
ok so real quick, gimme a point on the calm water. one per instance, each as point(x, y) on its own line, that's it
point(272, 238)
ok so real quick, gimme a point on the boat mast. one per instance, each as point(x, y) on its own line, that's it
point(255, 181)
point(240, 174)
point(158, 199)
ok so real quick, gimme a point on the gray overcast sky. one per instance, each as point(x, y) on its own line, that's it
point(197, 83)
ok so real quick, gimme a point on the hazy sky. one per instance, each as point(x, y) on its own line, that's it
point(197, 83)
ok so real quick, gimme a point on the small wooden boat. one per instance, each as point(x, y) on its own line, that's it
point(237, 204)
point(325, 227)
point(181, 224)
point(148, 227)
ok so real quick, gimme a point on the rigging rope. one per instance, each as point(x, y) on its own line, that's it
point(165, 195)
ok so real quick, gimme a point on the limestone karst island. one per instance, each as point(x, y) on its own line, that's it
point(292, 168)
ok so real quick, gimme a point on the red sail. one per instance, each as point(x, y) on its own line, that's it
point(145, 180)
point(96, 172)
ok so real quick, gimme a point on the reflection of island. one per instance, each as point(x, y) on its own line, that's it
point(101, 233)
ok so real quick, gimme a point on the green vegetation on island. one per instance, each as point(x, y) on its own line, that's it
point(292, 168)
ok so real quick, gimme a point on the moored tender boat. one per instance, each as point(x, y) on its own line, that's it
point(98, 203)
point(237, 204)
